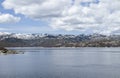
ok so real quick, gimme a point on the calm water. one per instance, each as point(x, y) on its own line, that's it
point(61, 63)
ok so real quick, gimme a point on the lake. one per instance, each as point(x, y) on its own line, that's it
point(61, 63)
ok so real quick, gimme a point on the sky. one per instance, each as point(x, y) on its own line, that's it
point(60, 16)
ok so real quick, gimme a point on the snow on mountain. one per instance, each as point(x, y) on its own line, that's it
point(22, 36)
point(4, 35)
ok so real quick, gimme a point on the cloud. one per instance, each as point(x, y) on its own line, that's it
point(8, 18)
point(97, 16)
point(37, 9)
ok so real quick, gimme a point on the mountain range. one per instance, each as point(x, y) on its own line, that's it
point(59, 40)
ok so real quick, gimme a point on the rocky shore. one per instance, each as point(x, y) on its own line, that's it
point(6, 51)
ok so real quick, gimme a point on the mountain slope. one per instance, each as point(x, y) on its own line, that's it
point(47, 40)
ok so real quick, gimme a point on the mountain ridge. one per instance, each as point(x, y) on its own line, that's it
point(59, 40)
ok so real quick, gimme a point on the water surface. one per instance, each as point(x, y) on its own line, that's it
point(61, 63)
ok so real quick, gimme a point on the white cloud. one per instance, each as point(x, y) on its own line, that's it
point(100, 16)
point(8, 18)
point(37, 9)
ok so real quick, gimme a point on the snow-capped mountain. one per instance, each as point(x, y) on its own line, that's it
point(4, 35)
point(60, 40)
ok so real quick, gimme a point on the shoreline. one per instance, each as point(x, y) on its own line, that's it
point(63, 47)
